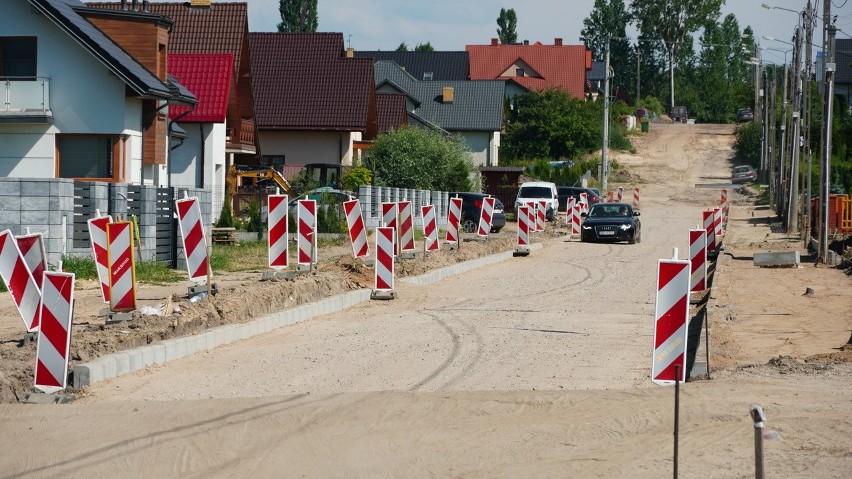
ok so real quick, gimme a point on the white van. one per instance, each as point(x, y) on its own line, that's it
point(533, 191)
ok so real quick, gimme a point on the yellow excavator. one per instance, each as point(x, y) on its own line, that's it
point(263, 178)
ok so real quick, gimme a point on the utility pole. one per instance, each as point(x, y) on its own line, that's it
point(793, 205)
point(829, 68)
point(605, 140)
point(638, 74)
point(764, 131)
point(770, 157)
point(809, 32)
point(782, 167)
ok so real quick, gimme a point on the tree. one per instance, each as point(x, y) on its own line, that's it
point(403, 47)
point(298, 15)
point(424, 47)
point(551, 125)
point(671, 21)
point(421, 158)
point(507, 24)
point(607, 25)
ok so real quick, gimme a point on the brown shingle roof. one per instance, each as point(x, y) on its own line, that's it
point(391, 111)
point(220, 29)
point(304, 81)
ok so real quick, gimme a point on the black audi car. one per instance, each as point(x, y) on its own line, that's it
point(611, 222)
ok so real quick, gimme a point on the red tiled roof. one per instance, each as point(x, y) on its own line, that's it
point(559, 66)
point(208, 77)
point(391, 111)
point(304, 81)
point(220, 29)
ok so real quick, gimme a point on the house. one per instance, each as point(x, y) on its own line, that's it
point(471, 109)
point(202, 28)
point(528, 67)
point(425, 66)
point(314, 101)
point(87, 90)
point(391, 111)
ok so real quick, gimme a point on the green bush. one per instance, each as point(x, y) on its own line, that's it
point(651, 103)
point(355, 177)
point(226, 217)
point(747, 143)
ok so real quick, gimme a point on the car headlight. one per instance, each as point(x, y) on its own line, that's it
point(587, 227)
point(625, 227)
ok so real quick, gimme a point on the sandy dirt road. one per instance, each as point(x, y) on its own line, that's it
point(534, 367)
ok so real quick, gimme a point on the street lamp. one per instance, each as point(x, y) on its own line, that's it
point(773, 39)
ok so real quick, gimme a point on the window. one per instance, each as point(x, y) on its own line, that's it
point(87, 156)
point(17, 57)
point(519, 72)
point(427, 76)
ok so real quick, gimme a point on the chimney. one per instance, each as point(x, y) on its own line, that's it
point(557, 42)
point(493, 42)
point(447, 94)
point(200, 3)
point(134, 5)
point(145, 6)
point(124, 4)
point(350, 52)
point(526, 42)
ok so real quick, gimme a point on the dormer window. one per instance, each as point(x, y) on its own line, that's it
point(427, 76)
point(519, 72)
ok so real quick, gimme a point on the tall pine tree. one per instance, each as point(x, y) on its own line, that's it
point(298, 15)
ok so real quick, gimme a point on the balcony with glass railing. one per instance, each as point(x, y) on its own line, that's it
point(25, 100)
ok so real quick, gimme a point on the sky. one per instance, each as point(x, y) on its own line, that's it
point(450, 25)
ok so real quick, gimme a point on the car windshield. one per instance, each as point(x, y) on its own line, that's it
point(535, 192)
point(741, 169)
point(606, 210)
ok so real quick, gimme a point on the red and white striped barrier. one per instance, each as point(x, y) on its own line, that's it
point(717, 224)
point(540, 215)
point(97, 236)
point(584, 202)
point(430, 228)
point(636, 198)
point(670, 321)
point(19, 281)
point(121, 264)
point(569, 209)
point(723, 202)
point(389, 214)
point(710, 228)
point(54, 338)
point(357, 230)
point(32, 250)
point(278, 238)
point(194, 241)
point(385, 239)
point(406, 227)
point(619, 194)
point(698, 259)
point(576, 220)
point(485, 216)
point(306, 218)
point(453, 218)
point(525, 225)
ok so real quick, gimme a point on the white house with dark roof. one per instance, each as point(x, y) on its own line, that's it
point(82, 104)
point(471, 109)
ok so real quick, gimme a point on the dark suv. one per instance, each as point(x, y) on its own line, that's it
point(472, 209)
point(564, 192)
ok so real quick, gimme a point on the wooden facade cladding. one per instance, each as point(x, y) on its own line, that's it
point(146, 40)
point(154, 135)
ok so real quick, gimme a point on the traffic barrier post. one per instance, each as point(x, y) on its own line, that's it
point(619, 194)
point(356, 228)
point(540, 215)
point(584, 202)
point(430, 229)
point(122, 267)
point(384, 270)
point(636, 198)
point(406, 230)
point(278, 238)
point(524, 224)
point(98, 239)
point(390, 219)
point(485, 217)
point(710, 228)
point(576, 220)
point(193, 237)
point(19, 281)
point(32, 250)
point(54, 339)
point(670, 321)
point(453, 238)
point(698, 260)
point(306, 217)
